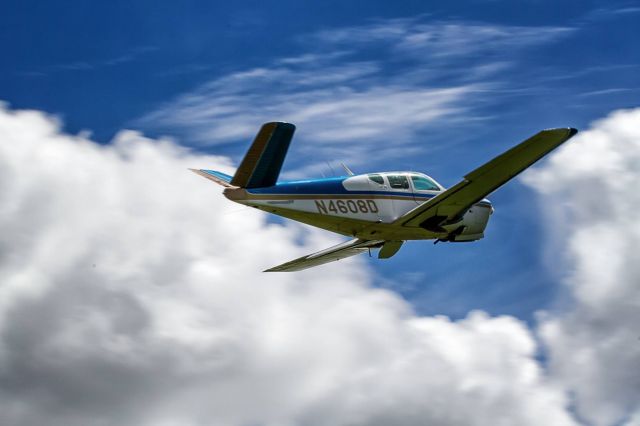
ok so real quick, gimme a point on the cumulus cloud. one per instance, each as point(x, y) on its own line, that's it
point(130, 294)
point(590, 195)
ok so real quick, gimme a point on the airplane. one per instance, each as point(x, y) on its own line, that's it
point(377, 210)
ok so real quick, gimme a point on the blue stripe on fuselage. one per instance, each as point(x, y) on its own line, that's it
point(327, 186)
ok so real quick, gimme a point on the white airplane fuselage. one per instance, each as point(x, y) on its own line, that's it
point(364, 206)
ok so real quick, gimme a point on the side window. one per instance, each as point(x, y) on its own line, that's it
point(421, 183)
point(377, 179)
point(398, 181)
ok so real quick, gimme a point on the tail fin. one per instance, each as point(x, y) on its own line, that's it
point(261, 165)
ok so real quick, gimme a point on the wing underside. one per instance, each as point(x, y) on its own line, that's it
point(455, 201)
point(346, 249)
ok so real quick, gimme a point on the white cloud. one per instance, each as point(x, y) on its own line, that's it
point(590, 196)
point(634, 419)
point(360, 89)
point(334, 110)
point(444, 39)
point(82, 65)
point(130, 295)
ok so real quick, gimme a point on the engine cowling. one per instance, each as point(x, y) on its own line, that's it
point(472, 225)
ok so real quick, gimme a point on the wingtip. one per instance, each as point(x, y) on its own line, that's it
point(566, 132)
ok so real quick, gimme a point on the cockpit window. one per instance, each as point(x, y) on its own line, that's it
point(422, 183)
point(377, 179)
point(398, 181)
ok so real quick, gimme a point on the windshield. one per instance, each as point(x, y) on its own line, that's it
point(423, 183)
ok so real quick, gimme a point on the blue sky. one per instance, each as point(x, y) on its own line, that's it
point(442, 89)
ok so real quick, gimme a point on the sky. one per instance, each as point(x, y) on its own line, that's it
point(131, 291)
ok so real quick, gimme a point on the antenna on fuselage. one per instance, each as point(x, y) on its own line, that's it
point(346, 169)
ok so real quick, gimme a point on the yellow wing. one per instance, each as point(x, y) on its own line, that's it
point(448, 206)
